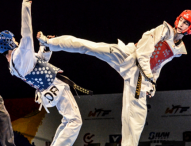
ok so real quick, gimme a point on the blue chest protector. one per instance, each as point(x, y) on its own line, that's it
point(42, 76)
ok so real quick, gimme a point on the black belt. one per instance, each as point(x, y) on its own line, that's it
point(138, 87)
point(142, 72)
point(72, 84)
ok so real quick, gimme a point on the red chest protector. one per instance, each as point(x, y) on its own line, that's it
point(161, 53)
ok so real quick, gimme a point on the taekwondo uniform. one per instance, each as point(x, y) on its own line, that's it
point(153, 51)
point(34, 69)
point(6, 130)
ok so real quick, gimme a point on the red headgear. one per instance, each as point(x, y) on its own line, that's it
point(186, 14)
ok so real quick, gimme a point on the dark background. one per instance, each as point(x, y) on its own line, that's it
point(99, 21)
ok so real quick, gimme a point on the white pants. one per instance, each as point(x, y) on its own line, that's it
point(109, 53)
point(71, 123)
point(134, 110)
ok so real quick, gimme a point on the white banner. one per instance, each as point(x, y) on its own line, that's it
point(169, 116)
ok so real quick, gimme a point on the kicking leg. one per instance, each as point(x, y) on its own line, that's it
point(109, 53)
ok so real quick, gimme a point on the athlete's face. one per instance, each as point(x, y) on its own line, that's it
point(8, 55)
point(182, 25)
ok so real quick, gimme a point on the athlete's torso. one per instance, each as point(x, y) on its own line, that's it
point(164, 52)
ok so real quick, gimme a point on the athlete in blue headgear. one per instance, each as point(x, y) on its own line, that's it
point(7, 42)
point(34, 69)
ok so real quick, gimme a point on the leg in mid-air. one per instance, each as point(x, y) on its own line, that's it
point(110, 53)
point(6, 130)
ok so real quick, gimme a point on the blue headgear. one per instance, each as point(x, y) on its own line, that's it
point(6, 42)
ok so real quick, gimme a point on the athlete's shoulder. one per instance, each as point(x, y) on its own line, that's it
point(166, 24)
point(167, 30)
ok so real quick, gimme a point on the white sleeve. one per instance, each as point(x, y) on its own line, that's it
point(24, 56)
point(146, 46)
point(44, 55)
point(26, 22)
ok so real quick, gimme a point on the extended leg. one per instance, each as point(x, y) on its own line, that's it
point(109, 53)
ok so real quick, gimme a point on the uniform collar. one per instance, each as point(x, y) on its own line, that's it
point(181, 47)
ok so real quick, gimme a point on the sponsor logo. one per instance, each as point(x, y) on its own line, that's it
point(99, 114)
point(176, 110)
point(53, 93)
point(88, 138)
point(115, 138)
point(158, 137)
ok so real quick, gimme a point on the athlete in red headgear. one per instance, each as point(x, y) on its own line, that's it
point(185, 15)
point(156, 48)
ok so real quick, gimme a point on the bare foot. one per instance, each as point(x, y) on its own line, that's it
point(50, 36)
point(38, 35)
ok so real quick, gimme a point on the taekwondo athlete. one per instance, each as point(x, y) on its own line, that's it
point(34, 69)
point(139, 64)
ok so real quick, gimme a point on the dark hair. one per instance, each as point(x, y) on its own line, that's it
point(5, 53)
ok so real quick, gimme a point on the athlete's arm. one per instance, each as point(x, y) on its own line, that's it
point(24, 56)
point(26, 22)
